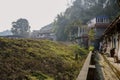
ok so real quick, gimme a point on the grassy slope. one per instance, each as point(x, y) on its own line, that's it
point(37, 60)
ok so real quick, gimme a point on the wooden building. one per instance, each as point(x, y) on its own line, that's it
point(111, 39)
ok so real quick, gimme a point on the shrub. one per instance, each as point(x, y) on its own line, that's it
point(91, 48)
point(28, 59)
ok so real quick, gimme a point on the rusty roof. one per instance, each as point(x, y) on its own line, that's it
point(112, 25)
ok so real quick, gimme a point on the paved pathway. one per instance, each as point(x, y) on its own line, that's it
point(107, 71)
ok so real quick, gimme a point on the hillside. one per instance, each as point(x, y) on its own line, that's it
point(47, 29)
point(23, 59)
point(5, 33)
point(80, 13)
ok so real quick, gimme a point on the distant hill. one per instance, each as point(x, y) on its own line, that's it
point(26, 59)
point(47, 29)
point(5, 33)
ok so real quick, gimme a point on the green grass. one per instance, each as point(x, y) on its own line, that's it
point(39, 60)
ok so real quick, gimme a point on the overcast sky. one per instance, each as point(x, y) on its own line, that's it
point(38, 12)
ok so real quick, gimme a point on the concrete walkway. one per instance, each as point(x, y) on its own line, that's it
point(116, 65)
point(102, 67)
point(106, 69)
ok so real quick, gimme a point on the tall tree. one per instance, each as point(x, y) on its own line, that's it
point(21, 27)
point(84, 10)
point(61, 24)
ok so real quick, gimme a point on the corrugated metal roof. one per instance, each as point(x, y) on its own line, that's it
point(113, 23)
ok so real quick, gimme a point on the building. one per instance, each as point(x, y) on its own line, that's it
point(98, 25)
point(35, 34)
point(83, 36)
point(46, 32)
point(111, 39)
point(14, 36)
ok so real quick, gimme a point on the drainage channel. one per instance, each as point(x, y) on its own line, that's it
point(88, 71)
point(92, 69)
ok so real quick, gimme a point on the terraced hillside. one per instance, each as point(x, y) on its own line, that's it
point(26, 59)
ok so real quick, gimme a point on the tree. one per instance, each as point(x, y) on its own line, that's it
point(91, 34)
point(61, 24)
point(83, 10)
point(21, 27)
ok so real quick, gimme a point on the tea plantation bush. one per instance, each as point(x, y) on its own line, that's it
point(27, 59)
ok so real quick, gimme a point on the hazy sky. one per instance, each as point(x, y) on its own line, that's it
point(38, 12)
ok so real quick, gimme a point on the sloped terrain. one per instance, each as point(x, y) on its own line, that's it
point(26, 59)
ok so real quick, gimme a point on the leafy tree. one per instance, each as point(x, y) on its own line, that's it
point(21, 27)
point(91, 34)
point(84, 10)
point(61, 24)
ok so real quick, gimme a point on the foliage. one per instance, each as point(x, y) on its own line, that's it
point(91, 34)
point(83, 10)
point(79, 51)
point(91, 48)
point(60, 26)
point(27, 59)
point(20, 27)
